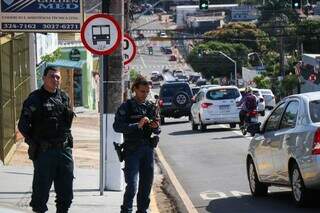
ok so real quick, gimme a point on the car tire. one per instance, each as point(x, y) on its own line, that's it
point(181, 99)
point(300, 194)
point(162, 121)
point(233, 125)
point(257, 188)
point(262, 113)
point(194, 125)
point(203, 127)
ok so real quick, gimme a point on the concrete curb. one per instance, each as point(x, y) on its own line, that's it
point(173, 187)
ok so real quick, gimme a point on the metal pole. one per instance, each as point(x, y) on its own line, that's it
point(103, 106)
point(235, 74)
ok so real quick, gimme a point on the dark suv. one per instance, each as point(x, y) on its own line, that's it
point(175, 100)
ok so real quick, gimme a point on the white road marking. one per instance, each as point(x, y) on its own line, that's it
point(215, 195)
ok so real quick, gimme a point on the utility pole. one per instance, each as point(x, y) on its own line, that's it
point(111, 177)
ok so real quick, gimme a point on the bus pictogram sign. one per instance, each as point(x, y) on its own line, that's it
point(129, 49)
point(101, 34)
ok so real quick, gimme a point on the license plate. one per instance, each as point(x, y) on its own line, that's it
point(254, 119)
point(224, 107)
point(167, 104)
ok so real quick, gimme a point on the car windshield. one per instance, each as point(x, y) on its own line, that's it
point(314, 107)
point(266, 92)
point(256, 93)
point(171, 89)
point(222, 94)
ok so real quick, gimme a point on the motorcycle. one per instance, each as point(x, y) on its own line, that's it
point(250, 123)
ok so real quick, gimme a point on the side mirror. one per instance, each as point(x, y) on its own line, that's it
point(156, 97)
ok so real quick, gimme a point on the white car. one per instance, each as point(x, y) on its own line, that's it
point(269, 98)
point(261, 106)
point(216, 105)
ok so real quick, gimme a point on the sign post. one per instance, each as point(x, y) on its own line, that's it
point(101, 35)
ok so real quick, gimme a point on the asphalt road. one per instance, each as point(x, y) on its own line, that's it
point(211, 168)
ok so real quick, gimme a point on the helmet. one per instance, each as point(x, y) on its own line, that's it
point(248, 89)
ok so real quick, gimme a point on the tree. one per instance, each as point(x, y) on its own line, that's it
point(206, 59)
point(262, 82)
point(308, 31)
point(245, 33)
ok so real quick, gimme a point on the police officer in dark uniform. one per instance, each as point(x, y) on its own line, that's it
point(137, 119)
point(45, 122)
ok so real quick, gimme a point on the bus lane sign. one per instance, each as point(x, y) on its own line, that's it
point(101, 34)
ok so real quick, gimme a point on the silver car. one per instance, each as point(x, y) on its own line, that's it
point(285, 151)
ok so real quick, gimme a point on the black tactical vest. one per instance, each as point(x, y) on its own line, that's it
point(50, 122)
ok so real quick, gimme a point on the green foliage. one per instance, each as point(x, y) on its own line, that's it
point(309, 31)
point(288, 84)
point(262, 82)
point(52, 57)
point(275, 10)
point(206, 59)
point(133, 74)
point(244, 33)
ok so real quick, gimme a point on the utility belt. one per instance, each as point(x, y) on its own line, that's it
point(44, 146)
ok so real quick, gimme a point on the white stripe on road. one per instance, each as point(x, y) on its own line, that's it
point(236, 132)
point(182, 193)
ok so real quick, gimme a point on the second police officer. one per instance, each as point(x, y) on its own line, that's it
point(137, 119)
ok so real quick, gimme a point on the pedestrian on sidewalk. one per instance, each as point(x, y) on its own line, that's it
point(137, 119)
point(45, 122)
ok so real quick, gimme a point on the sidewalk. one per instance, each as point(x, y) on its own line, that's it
point(15, 192)
point(16, 179)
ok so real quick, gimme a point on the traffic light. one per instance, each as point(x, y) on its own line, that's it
point(296, 4)
point(203, 4)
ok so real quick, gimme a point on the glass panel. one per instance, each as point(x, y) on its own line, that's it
point(274, 119)
point(314, 107)
point(290, 115)
point(223, 94)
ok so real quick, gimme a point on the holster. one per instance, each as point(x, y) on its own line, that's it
point(119, 150)
point(33, 150)
point(154, 141)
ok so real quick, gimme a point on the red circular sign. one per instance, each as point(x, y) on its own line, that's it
point(101, 34)
point(132, 49)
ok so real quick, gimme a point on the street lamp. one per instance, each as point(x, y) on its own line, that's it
point(255, 53)
point(235, 65)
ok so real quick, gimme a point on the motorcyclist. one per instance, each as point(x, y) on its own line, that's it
point(248, 103)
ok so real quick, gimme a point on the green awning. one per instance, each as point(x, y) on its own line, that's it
point(67, 64)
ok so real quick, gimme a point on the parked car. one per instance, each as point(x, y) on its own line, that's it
point(175, 100)
point(156, 76)
point(194, 78)
point(177, 72)
point(286, 149)
point(269, 98)
point(201, 82)
point(195, 90)
point(166, 50)
point(261, 106)
point(216, 105)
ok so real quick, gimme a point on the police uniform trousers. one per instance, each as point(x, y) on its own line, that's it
point(53, 165)
point(138, 163)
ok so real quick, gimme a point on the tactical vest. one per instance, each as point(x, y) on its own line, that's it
point(135, 113)
point(50, 122)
